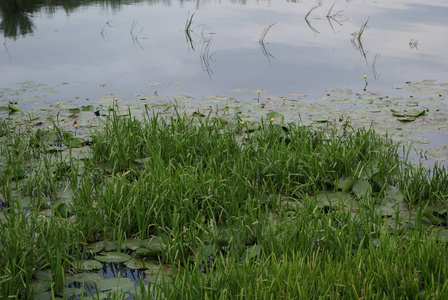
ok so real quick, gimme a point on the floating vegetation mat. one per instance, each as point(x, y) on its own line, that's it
point(269, 197)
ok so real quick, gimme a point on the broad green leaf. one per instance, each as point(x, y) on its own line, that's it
point(113, 284)
point(407, 119)
point(415, 113)
point(72, 142)
point(131, 244)
point(361, 188)
point(84, 277)
point(152, 247)
point(112, 257)
point(74, 110)
point(13, 108)
point(252, 252)
point(87, 265)
point(88, 108)
point(335, 199)
point(96, 247)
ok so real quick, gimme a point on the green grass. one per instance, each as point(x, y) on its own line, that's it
point(284, 211)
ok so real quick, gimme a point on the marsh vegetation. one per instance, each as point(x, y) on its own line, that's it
point(213, 207)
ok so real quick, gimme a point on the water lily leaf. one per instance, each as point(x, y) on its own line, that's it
point(112, 257)
point(276, 116)
point(47, 295)
point(72, 292)
point(252, 252)
point(392, 203)
point(205, 251)
point(72, 142)
point(415, 113)
point(321, 120)
point(87, 265)
point(407, 119)
point(135, 263)
point(84, 277)
point(115, 284)
point(96, 247)
point(361, 188)
point(40, 286)
point(44, 275)
point(61, 210)
point(88, 108)
point(75, 110)
point(152, 247)
point(13, 108)
point(335, 199)
point(198, 114)
point(131, 244)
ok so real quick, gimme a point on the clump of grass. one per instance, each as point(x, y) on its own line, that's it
point(240, 210)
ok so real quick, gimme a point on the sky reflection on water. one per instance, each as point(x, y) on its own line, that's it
point(99, 49)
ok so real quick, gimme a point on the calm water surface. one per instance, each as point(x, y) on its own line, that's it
point(141, 47)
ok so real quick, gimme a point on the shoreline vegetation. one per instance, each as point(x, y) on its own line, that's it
point(216, 208)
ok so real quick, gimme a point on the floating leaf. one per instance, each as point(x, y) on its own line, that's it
point(252, 252)
point(61, 210)
point(204, 252)
point(361, 188)
point(151, 248)
point(275, 115)
point(13, 108)
point(96, 247)
point(114, 284)
point(84, 277)
point(88, 108)
point(72, 142)
point(407, 119)
point(87, 265)
point(415, 113)
point(4, 109)
point(44, 275)
point(74, 110)
point(113, 257)
point(335, 199)
point(131, 244)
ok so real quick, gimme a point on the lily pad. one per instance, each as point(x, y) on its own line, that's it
point(13, 108)
point(407, 119)
point(335, 199)
point(151, 248)
point(84, 277)
point(116, 257)
point(131, 244)
point(115, 284)
point(252, 252)
point(72, 142)
point(87, 265)
point(361, 188)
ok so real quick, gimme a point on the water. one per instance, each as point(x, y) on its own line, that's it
point(140, 47)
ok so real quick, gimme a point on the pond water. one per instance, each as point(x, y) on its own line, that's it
point(78, 50)
point(134, 47)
